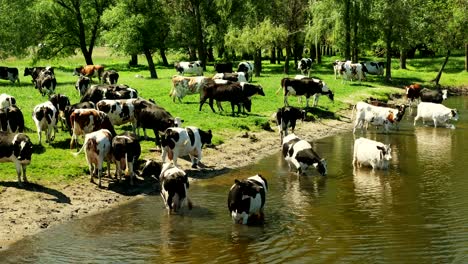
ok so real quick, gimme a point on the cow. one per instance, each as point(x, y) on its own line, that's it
point(126, 150)
point(151, 168)
point(352, 71)
point(236, 93)
point(304, 65)
point(97, 146)
point(374, 68)
point(233, 77)
point(179, 142)
point(60, 102)
point(174, 188)
point(11, 119)
point(305, 87)
point(247, 68)
point(82, 85)
point(182, 86)
point(338, 67)
point(69, 110)
point(16, 148)
point(371, 153)
point(6, 101)
point(246, 200)
point(46, 82)
point(110, 77)
point(35, 71)
point(433, 96)
point(156, 118)
point(99, 92)
point(90, 71)
point(286, 116)
point(222, 67)
point(9, 73)
point(192, 67)
point(377, 115)
point(438, 113)
point(299, 155)
point(85, 121)
point(45, 117)
point(413, 93)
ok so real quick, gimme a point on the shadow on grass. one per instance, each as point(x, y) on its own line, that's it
point(38, 149)
point(34, 187)
point(62, 144)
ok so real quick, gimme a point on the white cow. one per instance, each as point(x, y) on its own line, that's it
point(352, 71)
point(182, 86)
point(6, 101)
point(375, 115)
point(371, 153)
point(45, 117)
point(438, 113)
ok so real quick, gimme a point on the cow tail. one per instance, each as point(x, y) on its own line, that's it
point(279, 89)
point(82, 147)
point(353, 113)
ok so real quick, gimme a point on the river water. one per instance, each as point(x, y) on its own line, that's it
point(416, 212)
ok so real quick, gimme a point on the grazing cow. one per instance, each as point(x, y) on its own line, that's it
point(82, 85)
point(247, 68)
point(246, 200)
point(286, 116)
point(35, 71)
point(371, 153)
point(174, 188)
point(60, 102)
point(307, 87)
point(156, 118)
point(97, 146)
point(69, 110)
point(377, 115)
point(90, 71)
point(438, 113)
point(236, 93)
point(100, 92)
point(46, 82)
point(45, 117)
point(16, 148)
point(433, 96)
point(151, 168)
point(192, 67)
point(233, 77)
point(182, 86)
point(299, 155)
point(86, 121)
point(179, 142)
point(352, 71)
point(223, 67)
point(6, 101)
point(338, 67)
point(11, 119)
point(126, 150)
point(110, 77)
point(304, 65)
point(9, 73)
point(374, 68)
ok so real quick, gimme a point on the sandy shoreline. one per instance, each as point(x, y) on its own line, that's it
point(35, 207)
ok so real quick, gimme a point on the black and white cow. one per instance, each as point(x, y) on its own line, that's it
point(174, 188)
point(151, 168)
point(305, 87)
point(222, 67)
point(374, 68)
point(300, 155)
point(179, 142)
point(16, 148)
point(233, 77)
point(156, 118)
point(286, 116)
point(126, 150)
point(247, 68)
point(192, 67)
point(246, 200)
point(304, 65)
point(338, 67)
point(82, 84)
point(9, 73)
point(99, 92)
point(46, 82)
point(60, 101)
point(110, 77)
point(371, 153)
point(35, 71)
point(433, 96)
point(6, 101)
point(45, 117)
point(11, 119)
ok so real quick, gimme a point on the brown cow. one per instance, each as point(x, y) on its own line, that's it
point(90, 71)
point(85, 121)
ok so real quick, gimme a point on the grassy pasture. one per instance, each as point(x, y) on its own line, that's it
point(55, 163)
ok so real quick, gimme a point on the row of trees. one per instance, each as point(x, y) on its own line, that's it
point(203, 28)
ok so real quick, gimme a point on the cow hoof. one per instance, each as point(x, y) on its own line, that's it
point(194, 166)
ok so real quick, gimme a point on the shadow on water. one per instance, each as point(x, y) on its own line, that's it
point(34, 187)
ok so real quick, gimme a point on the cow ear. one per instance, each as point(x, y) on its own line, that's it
point(236, 181)
point(315, 164)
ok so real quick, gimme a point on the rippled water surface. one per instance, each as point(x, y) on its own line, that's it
point(416, 212)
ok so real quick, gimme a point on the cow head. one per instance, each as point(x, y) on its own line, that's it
point(321, 167)
point(454, 113)
point(77, 71)
point(385, 154)
point(22, 148)
point(28, 71)
point(444, 94)
point(151, 169)
point(260, 90)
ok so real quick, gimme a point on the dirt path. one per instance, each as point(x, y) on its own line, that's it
point(37, 206)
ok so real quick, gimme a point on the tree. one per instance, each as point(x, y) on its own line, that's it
point(67, 25)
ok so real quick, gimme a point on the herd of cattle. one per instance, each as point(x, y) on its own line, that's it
point(105, 105)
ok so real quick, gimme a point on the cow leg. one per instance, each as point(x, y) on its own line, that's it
point(286, 100)
point(91, 172)
point(118, 171)
point(210, 102)
point(316, 99)
point(307, 102)
point(40, 136)
point(18, 171)
point(157, 139)
point(24, 166)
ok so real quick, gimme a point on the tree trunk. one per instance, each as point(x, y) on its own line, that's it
point(133, 60)
point(437, 78)
point(279, 55)
point(273, 55)
point(162, 52)
point(313, 54)
point(151, 67)
point(199, 36)
point(466, 57)
point(347, 22)
point(388, 42)
point(210, 54)
point(286, 59)
point(258, 62)
point(192, 54)
point(403, 59)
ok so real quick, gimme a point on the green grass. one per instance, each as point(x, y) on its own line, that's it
point(55, 163)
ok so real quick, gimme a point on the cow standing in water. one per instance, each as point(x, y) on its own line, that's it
point(174, 188)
